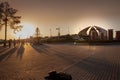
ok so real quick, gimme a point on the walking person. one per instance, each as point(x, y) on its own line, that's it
point(9, 42)
point(14, 42)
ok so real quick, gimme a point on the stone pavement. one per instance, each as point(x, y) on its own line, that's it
point(102, 66)
point(2, 49)
point(28, 62)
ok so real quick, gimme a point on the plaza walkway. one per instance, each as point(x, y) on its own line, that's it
point(83, 62)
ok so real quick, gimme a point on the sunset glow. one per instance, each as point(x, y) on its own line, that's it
point(27, 30)
point(59, 39)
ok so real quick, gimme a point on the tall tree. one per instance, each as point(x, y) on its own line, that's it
point(8, 18)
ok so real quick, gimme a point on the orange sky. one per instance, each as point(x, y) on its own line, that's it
point(78, 14)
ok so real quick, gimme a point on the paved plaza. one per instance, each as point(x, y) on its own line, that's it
point(83, 62)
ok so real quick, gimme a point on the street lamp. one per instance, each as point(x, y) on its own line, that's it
point(50, 32)
point(58, 32)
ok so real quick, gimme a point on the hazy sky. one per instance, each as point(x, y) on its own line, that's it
point(78, 14)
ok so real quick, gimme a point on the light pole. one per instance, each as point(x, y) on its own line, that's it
point(68, 31)
point(58, 32)
point(50, 32)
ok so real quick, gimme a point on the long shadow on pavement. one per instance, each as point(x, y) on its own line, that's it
point(3, 49)
point(41, 48)
point(7, 54)
point(96, 68)
point(61, 54)
point(47, 50)
point(20, 52)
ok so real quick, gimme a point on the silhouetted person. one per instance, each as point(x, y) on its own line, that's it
point(9, 42)
point(23, 42)
point(14, 42)
point(58, 76)
point(4, 43)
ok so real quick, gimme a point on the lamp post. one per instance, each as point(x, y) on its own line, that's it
point(50, 32)
point(58, 32)
point(68, 30)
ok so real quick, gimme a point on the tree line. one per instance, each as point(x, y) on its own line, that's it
point(8, 18)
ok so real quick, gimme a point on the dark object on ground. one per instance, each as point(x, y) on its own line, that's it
point(58, 76)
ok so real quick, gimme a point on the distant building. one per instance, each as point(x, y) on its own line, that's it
point(110, 34)
point(75, 37)
point(117, 35)
point(102, 37)
point(93, 33)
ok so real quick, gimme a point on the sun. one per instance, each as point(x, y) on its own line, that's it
point(27, 30)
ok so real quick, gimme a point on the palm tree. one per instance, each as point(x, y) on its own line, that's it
point(8, 18)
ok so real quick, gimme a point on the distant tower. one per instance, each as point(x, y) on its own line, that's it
point(117, 35)
point(110, 34)
point(37, 34)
